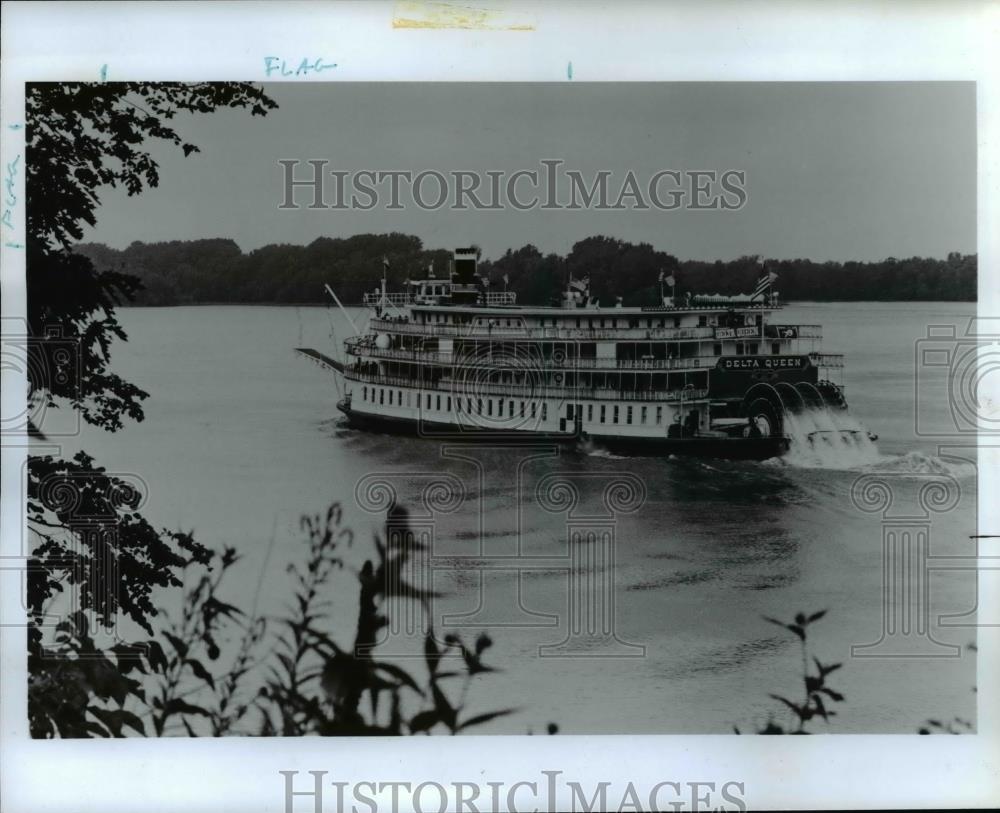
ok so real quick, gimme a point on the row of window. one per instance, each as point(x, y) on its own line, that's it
point(589, 322)
point(394, 397)
point(704, 320)
point(518, 409)
point(645, 413)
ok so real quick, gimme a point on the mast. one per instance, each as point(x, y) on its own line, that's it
point(343, 310)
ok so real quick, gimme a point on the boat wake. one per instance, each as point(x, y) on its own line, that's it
point(828, 439)
point(832, 439)
point(591, 449)
point(920, 463)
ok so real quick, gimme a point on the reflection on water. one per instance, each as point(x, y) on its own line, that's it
point(241, 438)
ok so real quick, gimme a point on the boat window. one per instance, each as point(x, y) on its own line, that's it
point(754, 348)
point(448, 406)
point(510, 409)
point(615, 418)
point(427, 401)
point(604, 413)
point(628, 415)
point(381, 395)
point(534, 411)
point(545, 411)
point(775, 348)
point(438, 403)
point(364, 393)
point(479, 406)
point(659, 415)
point(522, 409)
point(590, 413)
point(717, 349)
point(489, 406)
point(740, 348)
point(644, 411)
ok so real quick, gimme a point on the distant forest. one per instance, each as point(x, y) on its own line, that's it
point(216, 270)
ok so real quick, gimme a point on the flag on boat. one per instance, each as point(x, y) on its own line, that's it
point(667, 279)
point(385, 262)
point(580, 285)
point(506, 279)
point(763, 284)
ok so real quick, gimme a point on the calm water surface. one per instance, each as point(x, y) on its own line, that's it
point(241, 437)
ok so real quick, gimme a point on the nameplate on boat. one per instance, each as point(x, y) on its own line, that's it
point(763, 363)
point(737, 332)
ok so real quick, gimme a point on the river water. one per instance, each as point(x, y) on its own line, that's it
point(241, 437)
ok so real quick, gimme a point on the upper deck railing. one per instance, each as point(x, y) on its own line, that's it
point(376, 298)
point(832, 360)
point(399, 299)
point(536, 333)
point(500, 298)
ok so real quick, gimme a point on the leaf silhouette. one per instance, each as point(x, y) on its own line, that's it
point(431, 652)
point(795, 707)
point(200, 671)
point(424, 721)
point(179, 646)
point(178, 706)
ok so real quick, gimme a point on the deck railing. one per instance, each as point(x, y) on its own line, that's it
point(398, 299)
point(367, 349)
point(829, 360)
point(537, 333)
point(477, 388)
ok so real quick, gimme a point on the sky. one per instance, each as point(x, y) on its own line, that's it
point(834, 171)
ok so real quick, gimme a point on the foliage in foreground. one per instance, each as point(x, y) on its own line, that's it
point(285, 676)
point(816, 694)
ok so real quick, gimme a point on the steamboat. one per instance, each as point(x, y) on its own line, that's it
point(703, 375)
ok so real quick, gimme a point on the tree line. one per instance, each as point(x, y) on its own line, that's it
point(216, 270)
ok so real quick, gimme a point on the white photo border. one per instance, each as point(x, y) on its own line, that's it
point(624, 41)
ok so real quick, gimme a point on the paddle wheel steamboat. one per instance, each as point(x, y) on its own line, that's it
point(696, 375)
